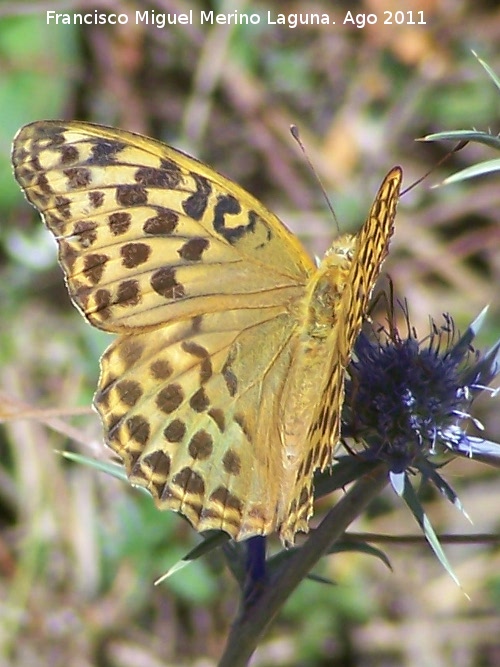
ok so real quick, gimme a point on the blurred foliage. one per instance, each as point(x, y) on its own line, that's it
point(27, 92)
point(79, 551)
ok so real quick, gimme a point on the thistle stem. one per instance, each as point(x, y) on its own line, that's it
point(251, 624)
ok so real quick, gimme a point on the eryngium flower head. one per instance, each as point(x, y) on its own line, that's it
point(409, 398)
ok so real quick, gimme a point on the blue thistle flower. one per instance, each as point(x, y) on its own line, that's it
point(409, 399)
point(408, 402)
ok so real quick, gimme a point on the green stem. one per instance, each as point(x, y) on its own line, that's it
point(251, 624)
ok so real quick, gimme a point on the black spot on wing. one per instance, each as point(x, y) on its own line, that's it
point(104, 152)
point(229, 205)
point(196, 204)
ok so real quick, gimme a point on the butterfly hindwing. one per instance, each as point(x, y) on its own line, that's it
point(192, 411)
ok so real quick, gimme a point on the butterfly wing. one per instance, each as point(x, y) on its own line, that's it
point(371, 246)
point(141, 226)
point(193, 412)
point(199, 278)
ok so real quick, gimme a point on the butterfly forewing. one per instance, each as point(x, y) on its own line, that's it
point(141, 226)
point(224, 350)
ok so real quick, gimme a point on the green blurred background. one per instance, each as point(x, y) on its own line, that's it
point(79, 551)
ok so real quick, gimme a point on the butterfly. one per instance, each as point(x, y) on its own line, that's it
point(222, 393)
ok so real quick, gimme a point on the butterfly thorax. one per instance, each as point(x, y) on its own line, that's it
point(324, 289)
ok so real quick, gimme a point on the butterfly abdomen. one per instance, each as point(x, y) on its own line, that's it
point(312, 358)
point(308, 377)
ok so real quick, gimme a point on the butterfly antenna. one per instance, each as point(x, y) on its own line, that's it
point(458, 147)
point(294, 131)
